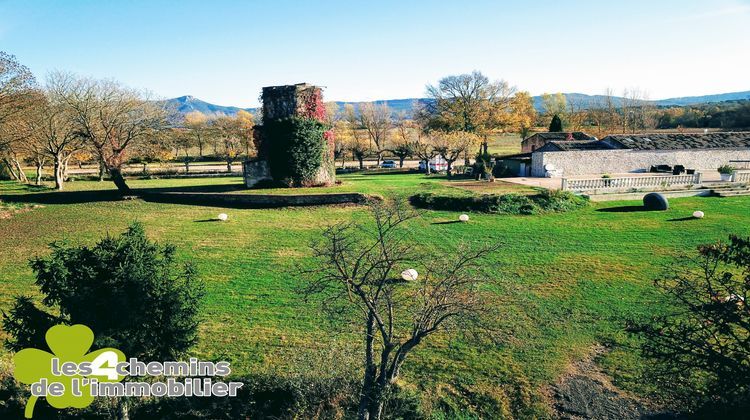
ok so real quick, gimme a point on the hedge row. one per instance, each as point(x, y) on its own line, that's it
point(548, 201)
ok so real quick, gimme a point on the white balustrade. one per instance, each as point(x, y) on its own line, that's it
point(741, 176)
point(634, 182)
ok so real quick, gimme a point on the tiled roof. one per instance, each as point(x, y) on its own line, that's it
point(571, 145)
point(577, 135)
point(723, 140)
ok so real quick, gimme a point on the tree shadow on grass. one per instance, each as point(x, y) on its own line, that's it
point(449, 222)
point(682, 219)
point(63, 197)
point(206, 220)
point(94, 196)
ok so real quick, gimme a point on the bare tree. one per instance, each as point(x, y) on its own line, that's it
point(358, 277)
point(355, 137)
point(403, 140)
point(469, 102)
point(375, 119)
point(425, 148)
point(111, 118)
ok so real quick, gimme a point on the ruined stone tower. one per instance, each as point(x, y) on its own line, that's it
point(294, 146)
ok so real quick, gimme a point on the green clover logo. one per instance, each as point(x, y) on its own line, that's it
point(68, 344)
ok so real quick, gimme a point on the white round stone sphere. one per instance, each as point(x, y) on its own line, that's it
point(409, 275)
point(223, 217)
point(698, 214)
point(463, 217)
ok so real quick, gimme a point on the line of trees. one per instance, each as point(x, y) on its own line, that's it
point(607, 114)
point(88, 120)
point(456, 122)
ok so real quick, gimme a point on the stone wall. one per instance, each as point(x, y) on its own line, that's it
point(255, 171)
point(590, 162)
point(532, 143)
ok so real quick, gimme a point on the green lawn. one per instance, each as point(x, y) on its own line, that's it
point(571, 279)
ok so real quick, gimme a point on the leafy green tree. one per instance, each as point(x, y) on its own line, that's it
point(128, 290)
point(556, 125)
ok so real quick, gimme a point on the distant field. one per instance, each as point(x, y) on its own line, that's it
point(571, 280)
point(505, 144)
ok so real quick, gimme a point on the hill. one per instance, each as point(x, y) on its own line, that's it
point(185, 104)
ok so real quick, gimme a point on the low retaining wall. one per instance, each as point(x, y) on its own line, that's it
point(255, 200)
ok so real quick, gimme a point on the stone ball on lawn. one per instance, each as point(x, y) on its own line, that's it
point(655, 201)
point(463, 217)
point(223, 217)
point(698, 214)
point(409, 275)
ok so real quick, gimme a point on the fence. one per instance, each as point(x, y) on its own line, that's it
point(634, 182)
point(741, 176)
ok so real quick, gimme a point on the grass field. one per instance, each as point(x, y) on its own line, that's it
point(571, 280)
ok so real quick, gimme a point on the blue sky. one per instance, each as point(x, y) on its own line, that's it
point(225, 51)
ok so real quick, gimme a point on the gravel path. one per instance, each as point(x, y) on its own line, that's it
point(585, 392)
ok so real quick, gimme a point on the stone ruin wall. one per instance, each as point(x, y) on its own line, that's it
point(279, 102)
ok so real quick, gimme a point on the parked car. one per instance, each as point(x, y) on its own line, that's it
point(388, 164)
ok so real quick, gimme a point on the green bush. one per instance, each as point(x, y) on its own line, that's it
point(726, 169)
point(297, 148)
point(544, 202)
point(129, 290)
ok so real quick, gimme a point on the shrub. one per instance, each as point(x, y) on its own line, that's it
point(297, 149)
point(127, 289)
point(546, 201)
point(726, 169)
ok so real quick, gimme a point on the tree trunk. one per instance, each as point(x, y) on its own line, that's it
point(66, 161)
point(187, 167)
point(368, 382)
point(102, 170)
point(21, 175)
point(361, 163)
point(200, 148)
point(58, 175)
point(449, 168)
point(401, 162)
point(39, 167)
point(229, 166)
point(119, 181)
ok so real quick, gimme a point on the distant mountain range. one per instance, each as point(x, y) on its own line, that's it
point(186, 104)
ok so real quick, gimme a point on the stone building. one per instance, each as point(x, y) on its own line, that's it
point(536, 141)
point(638, 153)
point(301, 100)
